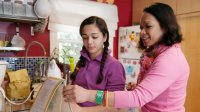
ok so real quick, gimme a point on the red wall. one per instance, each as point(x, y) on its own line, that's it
point(24, 29)
point(125, 19)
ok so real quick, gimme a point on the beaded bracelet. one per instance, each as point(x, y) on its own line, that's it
point(104, 98)
point(99, 97)
point(107, 99)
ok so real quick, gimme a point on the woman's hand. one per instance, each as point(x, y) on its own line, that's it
point(76, 93)
point(75, 107)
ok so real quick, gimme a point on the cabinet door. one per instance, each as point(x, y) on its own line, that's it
point(171, 3)
point(138, 7)
point(187, 6)
point(191, 49)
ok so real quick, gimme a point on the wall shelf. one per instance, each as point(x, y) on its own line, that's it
point(19, 19)
point(16, 11)
point(12, 48)
point(19, 12)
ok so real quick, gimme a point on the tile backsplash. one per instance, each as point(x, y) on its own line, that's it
point(32, 63)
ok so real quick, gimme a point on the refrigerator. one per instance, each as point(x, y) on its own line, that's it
point(128, 53)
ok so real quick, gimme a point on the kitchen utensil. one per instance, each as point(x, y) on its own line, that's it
point(17, 41)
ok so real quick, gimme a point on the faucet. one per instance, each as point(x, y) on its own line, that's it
point(33, 43)
point(42, 65)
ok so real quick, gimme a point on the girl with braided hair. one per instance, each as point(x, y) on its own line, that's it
point(97, 69)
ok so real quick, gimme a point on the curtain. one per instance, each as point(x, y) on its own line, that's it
point(73, 12)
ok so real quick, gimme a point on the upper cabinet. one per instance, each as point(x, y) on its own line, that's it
point(180, 7)
point(188, 6)
point(139, 5)
point(171, 3)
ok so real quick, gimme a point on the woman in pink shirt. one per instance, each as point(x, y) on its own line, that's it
point(163, 75)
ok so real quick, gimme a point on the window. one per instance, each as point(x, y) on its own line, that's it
point(67, 16)
point(69, 44)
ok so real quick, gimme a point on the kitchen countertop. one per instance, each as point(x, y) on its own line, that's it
point(19, 108)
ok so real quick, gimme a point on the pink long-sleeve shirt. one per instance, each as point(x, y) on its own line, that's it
point(163, 88)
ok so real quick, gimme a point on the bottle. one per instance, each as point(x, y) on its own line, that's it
point(53, 69)
point(72, 64)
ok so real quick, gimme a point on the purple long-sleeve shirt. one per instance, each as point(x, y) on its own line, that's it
point(163, 88)
point(113, 73)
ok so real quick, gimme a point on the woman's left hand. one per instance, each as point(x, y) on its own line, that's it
point(75, 107)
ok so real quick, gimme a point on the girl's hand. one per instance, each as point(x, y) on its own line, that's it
point(76, 93)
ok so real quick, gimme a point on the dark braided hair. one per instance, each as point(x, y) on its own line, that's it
point(101, 24)
point(104, 56)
